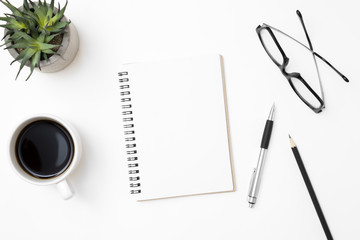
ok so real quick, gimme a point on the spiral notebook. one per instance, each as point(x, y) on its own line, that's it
point(175, 127)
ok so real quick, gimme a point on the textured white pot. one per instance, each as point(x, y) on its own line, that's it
point(67, 51)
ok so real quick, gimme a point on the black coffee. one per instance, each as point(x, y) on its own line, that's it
point(44, 149)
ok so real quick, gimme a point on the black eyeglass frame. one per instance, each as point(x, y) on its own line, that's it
point(282, 66)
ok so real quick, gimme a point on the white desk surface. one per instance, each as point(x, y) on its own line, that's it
point(86, 94)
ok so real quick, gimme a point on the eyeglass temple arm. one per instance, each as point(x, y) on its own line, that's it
point(316, 54)
point(337, 71)
point(303, 25)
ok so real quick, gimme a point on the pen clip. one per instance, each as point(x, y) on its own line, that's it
point(252, 182)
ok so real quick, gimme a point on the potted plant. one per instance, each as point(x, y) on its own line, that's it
point(39, 36)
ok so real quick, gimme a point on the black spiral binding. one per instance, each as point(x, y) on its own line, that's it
point(130, 140)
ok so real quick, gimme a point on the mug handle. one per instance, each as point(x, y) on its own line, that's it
point(65, 189)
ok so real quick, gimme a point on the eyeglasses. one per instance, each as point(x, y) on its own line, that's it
point(296, 81)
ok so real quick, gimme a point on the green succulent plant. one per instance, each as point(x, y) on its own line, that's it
point(31, 30)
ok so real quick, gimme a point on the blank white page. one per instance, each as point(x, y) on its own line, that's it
point(180, 124)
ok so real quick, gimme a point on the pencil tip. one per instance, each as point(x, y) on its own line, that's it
point(292, 143)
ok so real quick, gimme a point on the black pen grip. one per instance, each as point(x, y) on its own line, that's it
point(267, 134)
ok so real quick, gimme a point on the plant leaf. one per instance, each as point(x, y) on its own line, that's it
point(58, 16)
point(7, 34)
point(28, 53)
point(38, 11)
point(26, 6)
point(50, 10)
point(25, 36)
point(63, 10)
point(6, 42)
point(12, 8)
point(45, 46)
point(19, 45)
point(51, 37)
point(32, 16)
point(15, 36)
point(48, 51)
point(57, 27)
point(19, 57)
point(41, 38)
point(18, 23)
point(6, 25)
point(6, 19)
point(35, 61)
point(45, 57)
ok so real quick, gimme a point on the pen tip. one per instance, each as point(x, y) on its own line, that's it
point(289, 136)
point(271, 114)
point(251, 205)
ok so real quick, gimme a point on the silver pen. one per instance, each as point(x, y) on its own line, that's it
point(256, 175)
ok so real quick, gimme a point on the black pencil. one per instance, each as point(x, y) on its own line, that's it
point(310, 190)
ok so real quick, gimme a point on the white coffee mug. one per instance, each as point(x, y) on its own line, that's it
point(60, 179)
